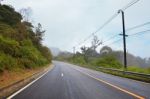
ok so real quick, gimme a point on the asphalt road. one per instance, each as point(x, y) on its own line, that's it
point(66, 81)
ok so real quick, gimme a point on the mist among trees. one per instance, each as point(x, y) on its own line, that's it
point(106, 56)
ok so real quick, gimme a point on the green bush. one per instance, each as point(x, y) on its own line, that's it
point(108, 61)
point(46, 53)
point(139, 69)
point(24, 54)
point(7, 62)
point(26, 42)
point(7, 30)
point(29, 53)
point(79, 60)
point(27, 63)
point(9, 46)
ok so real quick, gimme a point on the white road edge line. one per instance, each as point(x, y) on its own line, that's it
point(14, 94)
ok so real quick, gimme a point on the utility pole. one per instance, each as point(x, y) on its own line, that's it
point(124, 39)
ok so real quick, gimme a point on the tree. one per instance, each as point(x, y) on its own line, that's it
point(95, 42)
point(46, 53)
point(78, 53)
point(83, 49)
point(148, 61)
point(26, 14)
point(88, 52)
point(91, 51)
point(9, 16)
point(105, 50)
point(84, 52)
point(39, 33)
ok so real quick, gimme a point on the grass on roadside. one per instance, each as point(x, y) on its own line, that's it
point(139, 69)
point(131, 68)
point(126, 76)
point(107, 61)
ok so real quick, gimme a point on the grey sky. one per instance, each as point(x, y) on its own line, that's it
point(68, 22)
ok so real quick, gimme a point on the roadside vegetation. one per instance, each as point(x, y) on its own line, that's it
point(20, 42)
point(106, 61)
point(106, 58)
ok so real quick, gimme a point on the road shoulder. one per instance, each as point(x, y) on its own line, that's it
point(10, 89)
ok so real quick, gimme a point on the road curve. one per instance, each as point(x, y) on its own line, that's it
point(66, 81)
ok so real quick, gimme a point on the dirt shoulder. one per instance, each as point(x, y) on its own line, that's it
point(10, 81)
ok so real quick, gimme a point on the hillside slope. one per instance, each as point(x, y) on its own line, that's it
point(20, 46)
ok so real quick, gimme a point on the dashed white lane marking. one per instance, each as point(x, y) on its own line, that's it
point(62, 74)
point(10, 97)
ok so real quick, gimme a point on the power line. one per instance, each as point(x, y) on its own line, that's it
point(114, 42)
point(110, 38)
point(108, 21)
point(130, 4)
point(138, 26)
point(127, 30)
point(140, 33)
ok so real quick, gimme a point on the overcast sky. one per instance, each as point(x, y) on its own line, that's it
point(69, 22)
